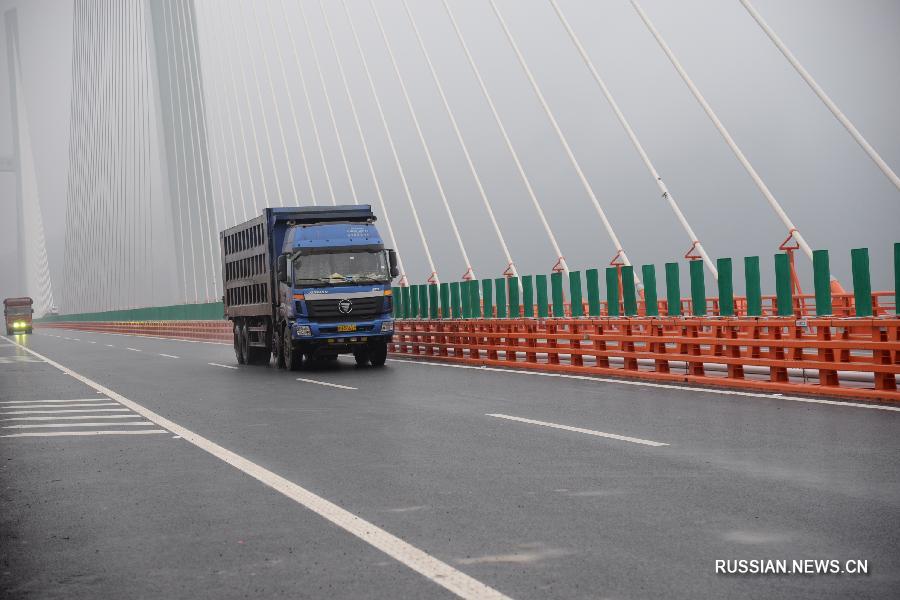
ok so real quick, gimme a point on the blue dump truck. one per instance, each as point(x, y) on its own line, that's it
point(308, 283)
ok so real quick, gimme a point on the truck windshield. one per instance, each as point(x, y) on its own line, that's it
point(341, 267)
point(18, 310)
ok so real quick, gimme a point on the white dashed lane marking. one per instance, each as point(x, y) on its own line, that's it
point(223, 366)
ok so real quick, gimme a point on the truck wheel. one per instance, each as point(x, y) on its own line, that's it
point(245, 344)
point(378, 354)
point(293, 358)
point(361, 356)
point(238, 345)
point(278, 350)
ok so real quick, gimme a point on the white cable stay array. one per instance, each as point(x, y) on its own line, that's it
point(620, 251)
point(664, 190)
point(166, 149)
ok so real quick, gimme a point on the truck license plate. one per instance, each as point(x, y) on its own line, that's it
point(346, 328)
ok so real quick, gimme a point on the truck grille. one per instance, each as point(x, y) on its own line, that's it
point(362, 309)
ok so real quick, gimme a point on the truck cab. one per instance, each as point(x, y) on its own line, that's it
point(334, 289)
point(17, 312)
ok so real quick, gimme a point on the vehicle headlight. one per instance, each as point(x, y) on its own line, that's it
point(304, 330)
point(387, 326)
point(19, 324)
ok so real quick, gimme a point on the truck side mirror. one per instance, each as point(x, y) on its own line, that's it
point(392, 261)
point(282, 268)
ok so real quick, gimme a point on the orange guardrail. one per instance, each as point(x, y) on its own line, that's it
point(203, 331)
point(849, 358)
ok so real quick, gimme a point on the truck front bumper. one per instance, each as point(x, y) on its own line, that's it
point(344, 333)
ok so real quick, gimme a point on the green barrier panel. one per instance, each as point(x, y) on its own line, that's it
point(487, 295)
point(397, 296)
point(753, 284)
point(897, 278)
point(407, 302)
point(475, 299)
point(822, 282)
point(445, 301)
point(528, 295)
point(466, 299)
point(433, 301)
point(651, 301)
point(514, 311)
point(726, 287)
point(698, 288)
point(500, 286)
point(455, 301)
point(783, 293)
point(862, 282)
point(612, 291)
point(423, 301)
point(629, 294)
point(673, 289)
point(208, 311)
point(414, 302)
point(559, 299)
point(592, 278)
point(575, 293)
point(540, 282)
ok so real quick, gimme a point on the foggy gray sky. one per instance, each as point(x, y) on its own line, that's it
point(833, 192)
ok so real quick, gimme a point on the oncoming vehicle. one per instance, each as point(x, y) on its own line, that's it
point(17, 313)
point(309, 282)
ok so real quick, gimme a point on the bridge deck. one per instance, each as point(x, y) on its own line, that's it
point(539, 486)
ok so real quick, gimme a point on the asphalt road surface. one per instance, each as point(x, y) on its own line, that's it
point(135, 467)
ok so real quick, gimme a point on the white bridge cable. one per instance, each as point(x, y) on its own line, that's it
point(240, 61)
point(469, 273)
point(197, 155)
point(69, 298)
point(226, 95)
point(290, 100)
point(838, 114)
point(89, 289)
point(695, 240)
point(262, 111)
point(187, 131)
point(175, 108)
point(510, 264)
point(146, 150)
point(287, 156)
point(390, 139)
point(337, 132)
point(309, 108)
point(620, 251)
point(506, 138)
point(212, 127)
point(792, 229)
point(363, 143)
point(204, 143)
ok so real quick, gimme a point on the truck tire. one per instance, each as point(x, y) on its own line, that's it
point(278, 349)
point(362, 357)
point(238, 345)
point(245, 344)
point(293, 358)
point(378, 354)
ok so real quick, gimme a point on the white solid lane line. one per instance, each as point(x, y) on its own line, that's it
point(128, 416)
point(133, 349)
point(667, 386)
point(54, 425)
point(86, 405)
point(419, 561)
point(335, 385)
point(167, 355)
point(612, 436)
point(110, 346)
point(53, 401)
point(83, 410)
point(68, 433)
point(223, 366)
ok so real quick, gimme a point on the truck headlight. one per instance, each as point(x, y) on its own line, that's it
point(304, 331)
point(19, 325)
point(387, 326)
